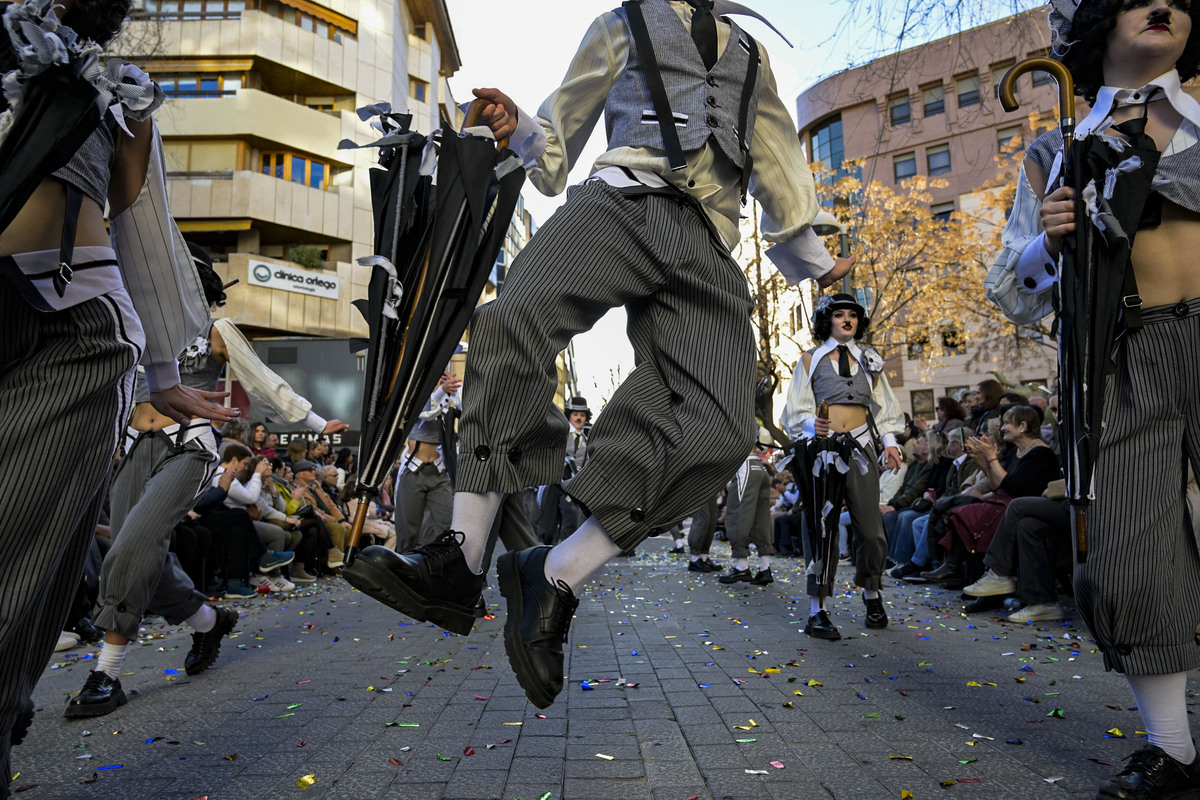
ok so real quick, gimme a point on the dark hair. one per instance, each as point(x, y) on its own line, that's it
point(1025, 415)
point(990, 391)
point(951, 408)
point(276, 464)
point(234, 451)
point(823, 326)
point(97, 20)
point(214, 286)
point(343, 458)
point(1093, 22)
point(1015, 399)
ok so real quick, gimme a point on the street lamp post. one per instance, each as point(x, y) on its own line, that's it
point(826, 224)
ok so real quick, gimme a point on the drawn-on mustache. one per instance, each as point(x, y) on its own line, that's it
point(1160, 16)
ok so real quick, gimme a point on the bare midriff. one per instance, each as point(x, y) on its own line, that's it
point(146, 418)
point(38, 226)
point(423, 451)
point(1164, 258)
point(845, 417)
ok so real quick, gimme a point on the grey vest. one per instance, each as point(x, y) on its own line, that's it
point(196, 370)
point(705, 104)
point(828, 386)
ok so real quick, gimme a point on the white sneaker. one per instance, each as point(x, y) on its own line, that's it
point(66, 640)
point(278, 583)
point(1036, 612)
point(260, 582)
point(991, 584)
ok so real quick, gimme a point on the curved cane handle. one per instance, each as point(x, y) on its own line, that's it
point(473, 112)
point(1061, 75)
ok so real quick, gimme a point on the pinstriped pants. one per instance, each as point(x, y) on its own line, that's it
point(683, 419)
point(1139, 590)
point(66, 379)
point(153, 489)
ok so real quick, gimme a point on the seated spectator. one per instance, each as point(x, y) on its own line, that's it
point(297, 450)
point(346, 467)
point(307, 489)
point(917, 496)
point(1028, 467)
point(988, 394)
point(260, 440)
point(375, 526)
point(235, 430)
point(243, 493)
point(1013, 399)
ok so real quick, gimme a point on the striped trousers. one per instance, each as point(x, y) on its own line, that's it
point(679, 424)
point(154, 487)
point(1139, 590)
point(66, 380)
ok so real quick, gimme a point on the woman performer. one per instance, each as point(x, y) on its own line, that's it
point(1139, 589)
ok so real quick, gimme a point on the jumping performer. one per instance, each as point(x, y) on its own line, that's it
point(863, 409)
point(694, 123)
point(1139, 588)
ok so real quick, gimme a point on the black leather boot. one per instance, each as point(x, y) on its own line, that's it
point(1154, 775)
point(431, 583)
point(207, 646)
point(821, 627)
point(876, 615)
point(99, 696)
point(539, 617)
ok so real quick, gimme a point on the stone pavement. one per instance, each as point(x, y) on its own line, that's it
point(678, 688)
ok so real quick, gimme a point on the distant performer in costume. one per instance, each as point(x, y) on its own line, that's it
point(864, 414)
point(560, 515)
point(1139, 588)
point(694, 124)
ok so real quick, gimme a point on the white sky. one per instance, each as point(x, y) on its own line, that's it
point(523, 48)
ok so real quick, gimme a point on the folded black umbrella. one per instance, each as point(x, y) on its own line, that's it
point(820, 466)
point(438, 236)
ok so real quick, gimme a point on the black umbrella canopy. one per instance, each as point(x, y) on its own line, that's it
point(1112, 173)
point(447, 230)
point(821, 466)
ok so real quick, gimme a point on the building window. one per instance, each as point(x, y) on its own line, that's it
point(418, 89)
point(827, 143)
point(917, 347)
point(200, 84)
point(953, 341)
point(933, 100)
point(421, 31)
point(1041, 78)
point(938, 159)
point(968, 90)
point(296, 168)
point(899, 109)
point(998, 77)
point(922, 404)
point(942, 211)
point(904, 165)
point(1006, 135)
point(314, 18)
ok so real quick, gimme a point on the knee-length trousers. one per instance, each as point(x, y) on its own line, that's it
point(155, 485)
point(748, 514)
point(704, 525)
point(66, 383)
point(678, 426)
point(421, 490)
point(1139, 590)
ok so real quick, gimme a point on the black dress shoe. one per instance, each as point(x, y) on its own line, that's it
point(736, 576)
point(431, 583)
point(711, 565)
point(876, 616)
point(1154, 775)
point(763, 577)
point(100, 695)
point(948, 571)
point(678, 551)
point(21, 725)
point(989, 603)
point(86, 631)
point(820, 627)
point(207, 646)
point(697, 566)
point(539, 618)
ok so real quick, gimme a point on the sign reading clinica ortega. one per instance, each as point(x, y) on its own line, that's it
point(290, 278)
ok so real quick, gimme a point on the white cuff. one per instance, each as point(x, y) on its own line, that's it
point(528, 141)
point(160, 377)
point(801, 258)
point(808, 429)
point(1036, 270)
point(315, 422)
point(889, 440)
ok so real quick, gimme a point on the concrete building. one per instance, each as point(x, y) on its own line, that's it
point(932, 110)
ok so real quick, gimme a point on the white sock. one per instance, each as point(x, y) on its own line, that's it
point(679, 543)
point(871, 594)
point(473, 515)
point(814, 605)
point(580, 555)
point(1162, 701)
point(203, 620)
point(110, 659)
point(694, 559)
point(702, 556)
point(764, 563)
point(741, 564)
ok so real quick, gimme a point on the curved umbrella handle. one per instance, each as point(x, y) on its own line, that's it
point(473, 112)
point(1066, 91)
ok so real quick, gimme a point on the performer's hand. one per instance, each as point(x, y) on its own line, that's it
point(181, 403)
point(891, 458)
point(500, 114)
point(451, 383)
point(1058, 217)
point(334, 426)
point(841, 268)
point(821, 426)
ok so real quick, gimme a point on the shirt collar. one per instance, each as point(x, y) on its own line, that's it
point(830, 345)
point(958, 462)
point(1111, 97)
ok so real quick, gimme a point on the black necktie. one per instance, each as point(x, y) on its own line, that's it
point(704, 31)
point(843, 360)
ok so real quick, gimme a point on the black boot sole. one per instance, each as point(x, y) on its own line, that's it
point(378, 582)
point(84, 711)
point(829, 636)
point(877, 625)
point(509, 574)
